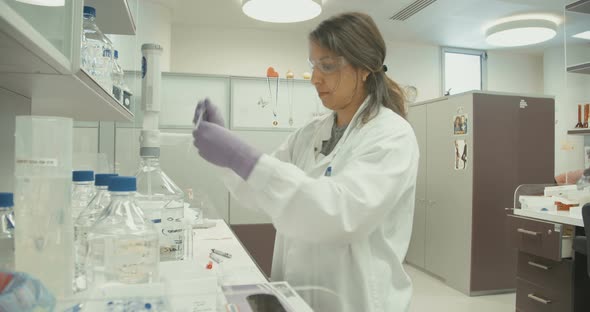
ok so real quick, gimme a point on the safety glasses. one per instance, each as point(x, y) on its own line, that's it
point(328, 64)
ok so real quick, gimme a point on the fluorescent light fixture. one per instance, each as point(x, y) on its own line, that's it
point(583, 35)
point(282, 11)
point(44, 2)
point(521, 32)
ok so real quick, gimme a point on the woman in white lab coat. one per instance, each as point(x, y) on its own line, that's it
point(340, 191)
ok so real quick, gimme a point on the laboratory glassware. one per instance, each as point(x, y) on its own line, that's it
point(87, 218)
point(44, 236)
point(122, 245)
point(6, 232)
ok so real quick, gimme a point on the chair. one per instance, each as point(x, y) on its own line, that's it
point(581, 243)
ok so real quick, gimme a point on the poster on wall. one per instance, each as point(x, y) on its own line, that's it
point(586, 156)
point(460, 123)
point(460, 154)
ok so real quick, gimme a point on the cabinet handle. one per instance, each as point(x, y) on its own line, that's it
point(538, 299)
point(527, 232)
point(540, 266)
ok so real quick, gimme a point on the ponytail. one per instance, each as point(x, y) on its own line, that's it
point(383, 91)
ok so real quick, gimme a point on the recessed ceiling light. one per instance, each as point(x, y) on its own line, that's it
point(44, 2)
point(282, 11)
point(583, 35)
point(521, 32)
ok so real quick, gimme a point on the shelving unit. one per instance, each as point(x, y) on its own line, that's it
point(582, 6)
point(579, 132)
point(32, 67)
point(580, 68)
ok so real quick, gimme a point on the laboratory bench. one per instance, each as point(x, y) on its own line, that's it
point(550, 276)
point(196, 284)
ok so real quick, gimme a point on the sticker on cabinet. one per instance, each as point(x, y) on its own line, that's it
point(460, 124)
point(460, 154)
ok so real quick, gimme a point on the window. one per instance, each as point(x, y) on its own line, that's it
point(463, 70)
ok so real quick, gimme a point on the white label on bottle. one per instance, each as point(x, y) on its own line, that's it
point(38, 162)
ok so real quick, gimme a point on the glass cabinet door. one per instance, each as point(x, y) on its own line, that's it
point(54, 23)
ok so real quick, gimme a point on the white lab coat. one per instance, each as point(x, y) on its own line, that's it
point(347, 233)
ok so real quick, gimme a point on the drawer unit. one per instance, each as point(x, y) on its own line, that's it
point(533, 298)
point(543, 239)
point(545, 273)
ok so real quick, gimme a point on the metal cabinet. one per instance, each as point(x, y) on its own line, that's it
point(545, 269)
point(459, 210)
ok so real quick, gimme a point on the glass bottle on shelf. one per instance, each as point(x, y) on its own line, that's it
point(94, 58)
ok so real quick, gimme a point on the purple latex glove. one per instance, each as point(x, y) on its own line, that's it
point(211, 113)
point(220, 147)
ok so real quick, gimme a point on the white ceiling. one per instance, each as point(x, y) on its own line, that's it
point(456, 23)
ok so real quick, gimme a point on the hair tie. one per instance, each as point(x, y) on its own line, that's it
point(384, 68)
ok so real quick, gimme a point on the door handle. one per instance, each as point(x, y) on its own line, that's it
point(540, 266)
point(539, 299)
point(527, 232)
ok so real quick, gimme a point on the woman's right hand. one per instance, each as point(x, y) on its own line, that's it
point(211, 113)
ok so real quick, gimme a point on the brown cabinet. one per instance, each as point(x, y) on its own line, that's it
point(544, 275)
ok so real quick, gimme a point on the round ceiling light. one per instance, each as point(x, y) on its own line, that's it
point(44, 2)
point(521, 32)
point(282, 11)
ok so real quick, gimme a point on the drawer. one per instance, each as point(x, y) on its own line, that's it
point(540, 238)
point(545, 273)
point(533, 298)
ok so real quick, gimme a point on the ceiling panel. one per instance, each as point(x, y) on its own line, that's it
point(457, 23)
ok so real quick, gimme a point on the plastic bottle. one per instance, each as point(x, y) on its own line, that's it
point(82, 191)
point(163, 202)
point(123, 245)
point(94, 60)
point(84, 222)
point(118, 76)
point(6, 232)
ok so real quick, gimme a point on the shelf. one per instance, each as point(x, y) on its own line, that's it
point(582, 6)
point(579, 132)
point(75, 96)
point(580, 69)
point(113, 16)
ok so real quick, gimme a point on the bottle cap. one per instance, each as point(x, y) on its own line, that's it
point(83, 176)
point(122, 184)
point(88, 10)
point(6, 200)
point(102, 179)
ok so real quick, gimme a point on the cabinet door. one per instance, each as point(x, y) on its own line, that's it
point(536, 140)
point(449, 193)
point(417, 118)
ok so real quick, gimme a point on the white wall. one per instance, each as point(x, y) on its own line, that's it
point(569, 90)
point(11, 105)
point(513, 72)
point(236, 51)
point(248, 52)
point(153, 22)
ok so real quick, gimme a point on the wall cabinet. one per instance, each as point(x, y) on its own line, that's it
point(41, 59)
point(460, 207)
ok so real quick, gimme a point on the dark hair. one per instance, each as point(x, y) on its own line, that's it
point(356, 37)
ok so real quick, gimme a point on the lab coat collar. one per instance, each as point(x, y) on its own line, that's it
point(325, 132)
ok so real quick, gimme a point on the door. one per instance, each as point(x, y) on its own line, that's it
point(418, 119)
point(449, 191)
